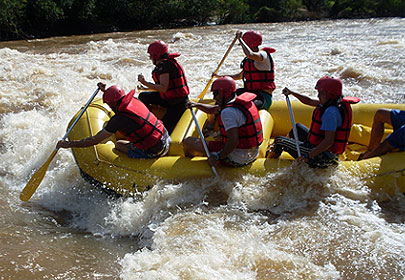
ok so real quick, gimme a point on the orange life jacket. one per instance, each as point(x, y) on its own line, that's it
point(149, 130)
point(251, 133)
point(177, 85)
point(316, 135)
point(255, 79)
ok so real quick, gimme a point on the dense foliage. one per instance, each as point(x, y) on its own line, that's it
point(23, 19)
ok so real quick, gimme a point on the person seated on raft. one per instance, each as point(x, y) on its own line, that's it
point(330, 128)
point(394, 141)
point(257, 69)
point(170, 84)
point(239, 123)
point(146, 135)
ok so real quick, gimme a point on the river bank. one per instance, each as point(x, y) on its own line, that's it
point(27, 20)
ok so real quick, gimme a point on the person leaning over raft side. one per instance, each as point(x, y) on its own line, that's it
point(147, 136)
point(330, 127)
point(396, 140)
point(170, 84)
point(257, 69)
point(239, 123)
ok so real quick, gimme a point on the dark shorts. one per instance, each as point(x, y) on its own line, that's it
point(397, 138)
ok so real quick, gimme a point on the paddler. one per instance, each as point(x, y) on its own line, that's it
point(239, 123)
point(146, 136)
point(170, 84)
point(257, 69)
point(327, 138)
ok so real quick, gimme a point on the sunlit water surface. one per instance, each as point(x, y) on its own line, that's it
point(294, 224)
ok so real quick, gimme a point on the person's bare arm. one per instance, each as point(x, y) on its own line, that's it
point(161, 87)
point(303, 98)
point(86, 142)
point(207, 108)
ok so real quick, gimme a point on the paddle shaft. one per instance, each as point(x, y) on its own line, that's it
point(203, 141)
point(202, 94)
point(81, 114)
point(293, 125)
point(36, 179)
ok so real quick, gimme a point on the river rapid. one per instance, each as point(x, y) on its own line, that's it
point(293, 224)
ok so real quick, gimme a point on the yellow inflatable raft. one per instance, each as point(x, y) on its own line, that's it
point(104, 165)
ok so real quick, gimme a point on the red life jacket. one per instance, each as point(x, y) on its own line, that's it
point(316, 135)
point(149, 130)
point(251, 133)
point(255, 79)
point(177, 85)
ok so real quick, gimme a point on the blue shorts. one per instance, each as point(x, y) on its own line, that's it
point(163, 148)
point(397, 138)
point(135, 152)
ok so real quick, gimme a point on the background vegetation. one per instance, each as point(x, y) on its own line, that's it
point(24, 19)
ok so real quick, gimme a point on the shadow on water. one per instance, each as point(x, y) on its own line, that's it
point(393, 211)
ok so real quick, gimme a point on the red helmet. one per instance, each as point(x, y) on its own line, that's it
point(330, 85)
point(252, 38)
point(157, 49)
point(112, 95)
point(224, 85)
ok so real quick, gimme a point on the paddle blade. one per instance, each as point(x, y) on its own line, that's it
point(36, 179)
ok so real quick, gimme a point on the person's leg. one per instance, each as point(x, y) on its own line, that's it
point(193, 146)
point(267, 99)
point(152, 97)
point(381, 149)
point(302, 132)
point(395, 140)
point(123, 146)
point(381, 117)
point(323, 160)
point(282, 143)
point(173, 115)
point(128, 148)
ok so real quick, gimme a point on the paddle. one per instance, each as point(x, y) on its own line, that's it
point(293, 125)
point(201, 96)
point(203, 142)
point(36, 179)
point(216, 70)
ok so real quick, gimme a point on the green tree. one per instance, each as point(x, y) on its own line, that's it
point(318, 6)
point(266, 14)
point(199, 11)
point(233, 11)
point(354, 8)
point(291, 9)
point(391, 8)
point(11, 19)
